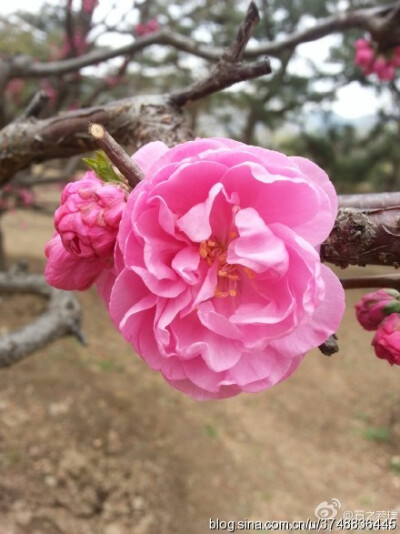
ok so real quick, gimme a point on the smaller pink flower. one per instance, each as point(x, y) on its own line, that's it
point(384, 69)
point(67, 271)
point(86, 223)
point(88, 217)
point(152, 26)
point(386, 342)
point(89, 5)
point(374, 307)
point(140, 29)
point(364, 58)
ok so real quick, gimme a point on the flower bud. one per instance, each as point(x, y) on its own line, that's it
point(88, 217)
point(386, 342)
point(374, 307)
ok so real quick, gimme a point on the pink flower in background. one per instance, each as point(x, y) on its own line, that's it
point(368, 59)
point(14, 89)
point(374, 307)
point(86, 225)
point(387, 339)
point(217, 278)
point(146, 28)
point(89, 5)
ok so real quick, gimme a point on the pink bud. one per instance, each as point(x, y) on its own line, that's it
point(88, 217)
point(89, 5)
point(152, 25)
point(374, 307)
point(386, 342)
point(364, 57)
point(67, 271)
point(140, 29)
point(383, 69)
point(362, 43)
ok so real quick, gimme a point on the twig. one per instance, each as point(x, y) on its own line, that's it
point(24, 67)
point(389, 280)
point(35, 106)
point(370, 200)
point(330, 346)
point(229, 69)
point(117, 155)
point(63, 317)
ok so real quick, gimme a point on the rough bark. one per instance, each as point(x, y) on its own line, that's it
point(134, 121)
point(364, 237)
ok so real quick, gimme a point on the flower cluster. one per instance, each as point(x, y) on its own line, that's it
point(216, 279)
point(146, 28)
point(380, 311)
point(368, 59)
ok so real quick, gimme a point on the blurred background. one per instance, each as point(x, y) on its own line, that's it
point(92, 441)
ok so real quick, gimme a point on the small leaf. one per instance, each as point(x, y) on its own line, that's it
point(391, 307)
point(103, 167)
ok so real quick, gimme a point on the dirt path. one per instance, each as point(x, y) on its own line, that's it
point(93, 442)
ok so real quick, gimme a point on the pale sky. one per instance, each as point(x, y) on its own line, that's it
point(353, 101)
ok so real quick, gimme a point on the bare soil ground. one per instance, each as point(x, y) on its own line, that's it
point(93, 442)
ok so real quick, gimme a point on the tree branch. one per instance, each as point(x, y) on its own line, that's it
point(229, 69)
point(133, 121)
point(389, 280)
point(367, 19)
point(63, 317)
point(370, 200)
point(364, 237)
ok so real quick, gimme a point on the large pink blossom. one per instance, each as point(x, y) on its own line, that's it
point(218, 282)
point(86, 224)
point(387, 339)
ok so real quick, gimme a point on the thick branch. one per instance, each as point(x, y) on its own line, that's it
point(133, 121)
point(364, 237)
point(62, 318)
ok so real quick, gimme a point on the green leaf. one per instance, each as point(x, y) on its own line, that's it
point(102, 166)
point(391, 307)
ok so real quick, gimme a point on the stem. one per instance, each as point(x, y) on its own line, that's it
point(389, 280)
point(117, 155)
point(370, 200)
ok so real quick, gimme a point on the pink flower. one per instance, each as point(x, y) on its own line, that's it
point(86, 225)
point(152, 26)
point(218, 282)
point(384, 69)
point(67, 271)
point(387, 339)
point(88, 217)
point(383, 66)
point(375, 306)
point(89, 5)
point(146, 28)
point(364, 54)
